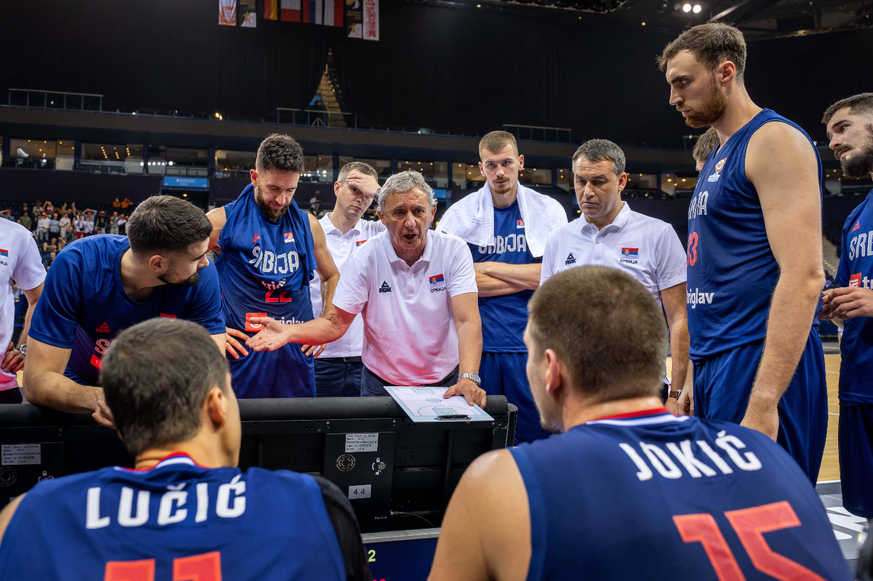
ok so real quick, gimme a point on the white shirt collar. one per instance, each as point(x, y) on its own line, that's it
point(328, 226)
point(620, 221)
point(392, 254)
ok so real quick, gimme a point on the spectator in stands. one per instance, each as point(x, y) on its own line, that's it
point(181, 423)
point(7, 214)
point(48, 208)
point(126, 203)
point(505, 225)
point(122, 225)
point(416, 291)
point(55, 225)
point(43, 227)
point(101, 223)
point(37, 208)
point(609, 233)
point(116, 203)
point(338, 371)
point(113, 223)
point(850, 130)
point(50, 246)
point(88, 227)
point(48, 259)
point(705, 145)
point(101, 285)
point(79, 225)
point(626, 489)
point(315, 204)
point(64, 224)
point(25, 220)
point(20, 259)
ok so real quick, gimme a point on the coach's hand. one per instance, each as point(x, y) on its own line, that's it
point(762, 419)
point(471, 392)
point(233, 346)
point(103, 415)
point(271, 337)
point(850, 302)
point(314, 350)
point(13, 360)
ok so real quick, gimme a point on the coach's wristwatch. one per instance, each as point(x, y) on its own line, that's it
point(674, 393)
point(472, 377)
point(23, 349)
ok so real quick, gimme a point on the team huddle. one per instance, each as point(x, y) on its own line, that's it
point(611, 476)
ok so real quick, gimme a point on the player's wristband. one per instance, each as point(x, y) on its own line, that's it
point(674, 393)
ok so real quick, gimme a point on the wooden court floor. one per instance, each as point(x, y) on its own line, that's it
point(830, 466)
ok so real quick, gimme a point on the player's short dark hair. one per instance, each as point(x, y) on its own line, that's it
point(156, 376)
point(706, 143)
point(279, 152)
point(497, 140)
point(861, 103)
point(358, 166)
point(607, 329)
point(711, 44)
point(596, 150)
point(166, 224)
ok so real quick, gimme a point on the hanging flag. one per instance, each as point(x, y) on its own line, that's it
point(354, 19)
point(290, 10)
point(371, 19)
point(271, 11)
point(333, 12)
point(248, 13)
point(313, 11)
point(227, 12)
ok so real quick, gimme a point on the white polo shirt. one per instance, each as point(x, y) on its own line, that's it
point(646, 248)
point(341, 247)
point(409, 330)
point(19, 259)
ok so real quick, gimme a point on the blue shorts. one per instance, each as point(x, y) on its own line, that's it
point(722, 385)
point(285, 372)
point(856, 458)
point(506, 374)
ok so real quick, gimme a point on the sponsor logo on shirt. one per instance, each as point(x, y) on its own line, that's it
point(256, 238)
point(253, 327)
point(629, 255)
point(166, 316)
point(696, 297)
point(714, 177)
point(104, 328)
point(359, 242)
point(519, 224)
point(857, 226)
point(570, 259)
point(96, 362)
point(855, 280)
point(289, 237)
point(384, 288)
point(438, 279)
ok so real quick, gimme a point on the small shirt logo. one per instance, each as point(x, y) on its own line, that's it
point(166, 316)
point(857, 226)
point(630, 252)
point(253, 327)
point(570, 259)
point(96, 362)
point(289, 237)
point(384, 288)
point(855, 280)
point(714, 177)
point(359, 242)
point(519, 224)
point(256, 238)
point(720, 165)
point(437, 279)
point(4, 253)
point(104, 328)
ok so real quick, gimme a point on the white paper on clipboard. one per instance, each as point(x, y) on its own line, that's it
point(426, 404)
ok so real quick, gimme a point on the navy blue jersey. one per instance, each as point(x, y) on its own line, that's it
point(174, 521)
point(265, 268)
point(731, 270)
point(84, 306)
point(504, 317)
point(654, 496)
point(856, 269)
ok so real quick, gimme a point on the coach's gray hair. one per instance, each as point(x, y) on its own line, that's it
point(403, 182)
point(596, 150)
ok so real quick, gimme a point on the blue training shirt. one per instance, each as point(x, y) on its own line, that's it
point(504, 317)
point(653, 496)
point(174, 521)
point(856, 269)
point(264, 266)
point(731, 270)
point(84, 306)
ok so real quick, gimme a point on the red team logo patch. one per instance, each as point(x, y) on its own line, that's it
point(855, 280)
point(289, 237)
point(359, 242)
point(519, 224)
point(95, 361)
point(252, 328)
point(857, 226)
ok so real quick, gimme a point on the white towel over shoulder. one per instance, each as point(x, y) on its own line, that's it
point(472, 218)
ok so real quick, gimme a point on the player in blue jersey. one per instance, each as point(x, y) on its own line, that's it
point(850, 130)
point(266, 251)
point(754, 252)
point(186, 511)
point(100, 285)
point(506, 226)
point(626, 490)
